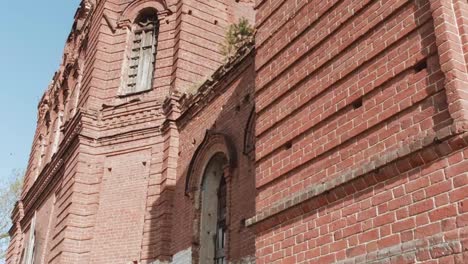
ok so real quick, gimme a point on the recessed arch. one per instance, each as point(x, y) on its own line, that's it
point(208, 185)
point(212, 144)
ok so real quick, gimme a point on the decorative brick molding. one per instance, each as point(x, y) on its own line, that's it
point(131, 11)
point(48, 174)
point(416, 250)
point(124, 118)
point(212, 144)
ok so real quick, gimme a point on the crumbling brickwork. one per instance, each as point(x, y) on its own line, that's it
point(338, 136)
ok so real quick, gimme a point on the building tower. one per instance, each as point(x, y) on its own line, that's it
point(100, 183)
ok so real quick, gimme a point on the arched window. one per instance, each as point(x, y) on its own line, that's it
point(41, 154)
point(58, 113)
point(43, 142)
point(142, 53)
point(214, 225)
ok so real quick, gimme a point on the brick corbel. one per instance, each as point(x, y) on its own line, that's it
point(171, 106)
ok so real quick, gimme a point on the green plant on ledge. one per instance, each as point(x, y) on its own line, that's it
point(237, 36)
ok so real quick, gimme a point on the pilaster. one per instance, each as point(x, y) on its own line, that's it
point(450, 23)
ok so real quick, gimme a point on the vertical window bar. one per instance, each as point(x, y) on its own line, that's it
point(220, 252)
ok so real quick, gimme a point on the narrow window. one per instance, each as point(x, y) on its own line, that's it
point(29, 259)
point(41, 155)
point(214, 209)
point(142, 53)
point(43, 139)
point(57, 132)
point(220, 256)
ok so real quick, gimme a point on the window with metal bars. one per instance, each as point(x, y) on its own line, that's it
point(220, 240)
point(142, 54)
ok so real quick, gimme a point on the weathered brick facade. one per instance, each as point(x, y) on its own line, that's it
point(341, 136)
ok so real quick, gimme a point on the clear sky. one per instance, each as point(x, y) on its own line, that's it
point(32, 37)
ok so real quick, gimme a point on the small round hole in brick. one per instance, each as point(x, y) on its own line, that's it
point(189, 12)
point(215, 22)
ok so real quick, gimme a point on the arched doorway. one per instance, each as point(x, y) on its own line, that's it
point(214, 210)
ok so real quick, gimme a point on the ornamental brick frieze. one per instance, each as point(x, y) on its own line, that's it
point(130, 118)
point(49, 172)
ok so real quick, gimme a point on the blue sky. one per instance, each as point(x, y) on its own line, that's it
point(32, 37)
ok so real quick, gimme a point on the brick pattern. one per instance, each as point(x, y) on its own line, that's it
point(353, 103)
point(360, 108)
point(122, 199)
point(342, 178)
point(451, 27)
point(400, 212)
point(223, 109)
point(359, 153)
point(199, 32)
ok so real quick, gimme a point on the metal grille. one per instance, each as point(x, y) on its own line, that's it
point(220, 240)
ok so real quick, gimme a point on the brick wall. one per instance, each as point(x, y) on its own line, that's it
point(399, 214)
point(350, 100)
point(120, 218)
point(227, 112)
point(350, 97)
point(345, 132)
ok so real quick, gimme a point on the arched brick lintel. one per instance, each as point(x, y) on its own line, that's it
point(133, 10)
point(212, 144)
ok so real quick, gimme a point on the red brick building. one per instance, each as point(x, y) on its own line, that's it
point(340, 136)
